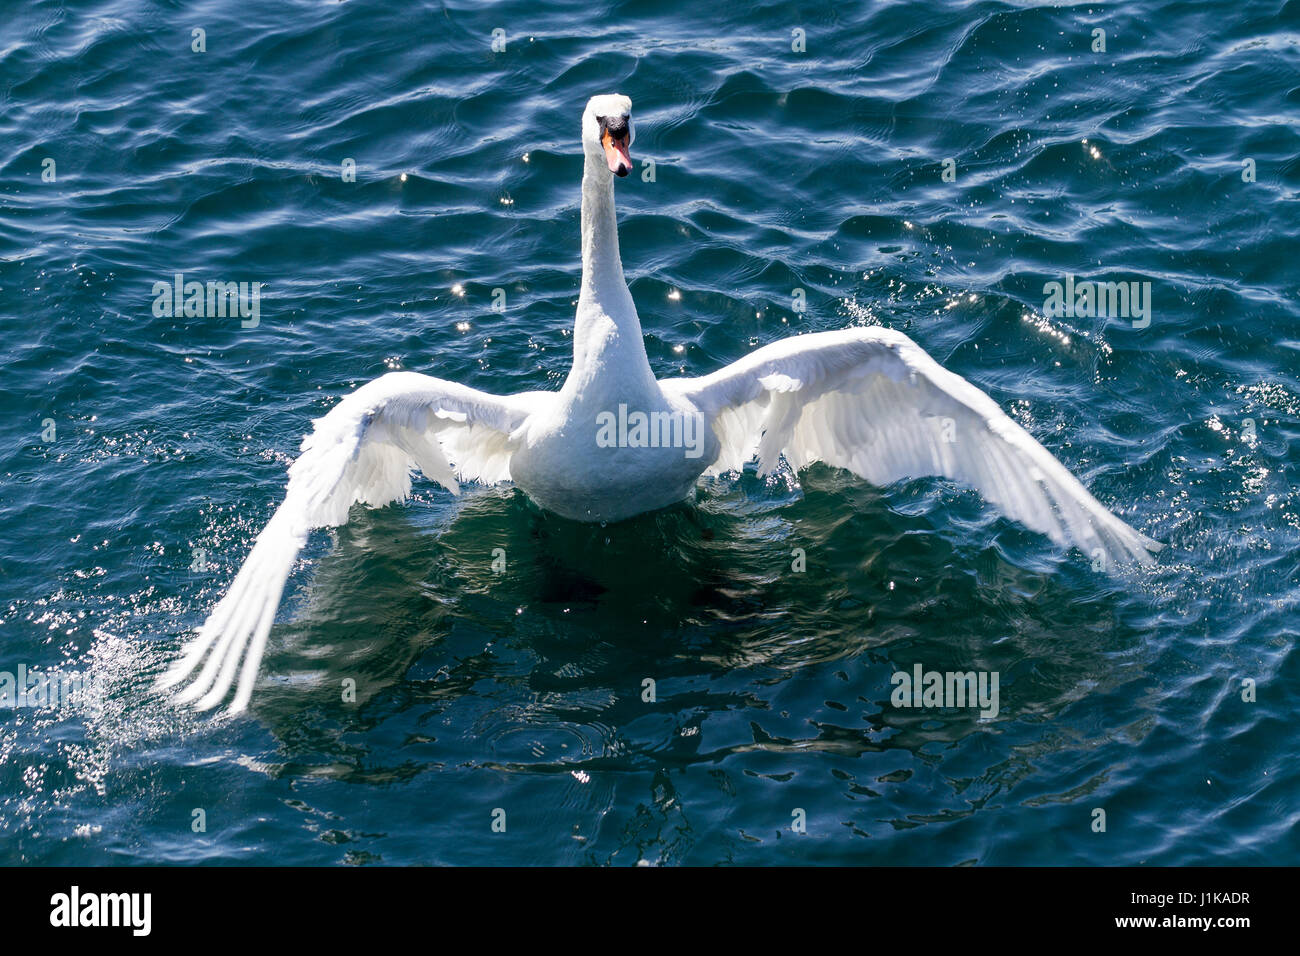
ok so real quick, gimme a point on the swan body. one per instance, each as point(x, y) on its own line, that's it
point(615, 442)
point(562, 466)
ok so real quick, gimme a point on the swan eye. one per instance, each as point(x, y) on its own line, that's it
point(616, 126)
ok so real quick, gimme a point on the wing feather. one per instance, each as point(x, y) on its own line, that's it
point(362, 451)
point(870, 400)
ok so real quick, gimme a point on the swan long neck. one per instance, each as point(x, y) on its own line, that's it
point(602, 266)
point(607, 332)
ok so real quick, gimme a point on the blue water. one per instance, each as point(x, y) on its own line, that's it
point(774, 170)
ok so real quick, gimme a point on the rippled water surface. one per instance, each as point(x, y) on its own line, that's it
point(133, 442)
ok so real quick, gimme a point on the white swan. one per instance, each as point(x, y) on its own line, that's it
point(614, 442)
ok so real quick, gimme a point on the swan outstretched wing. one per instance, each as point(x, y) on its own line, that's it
point(872, 401)
point(363, 450)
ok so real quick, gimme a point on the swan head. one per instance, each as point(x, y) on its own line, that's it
point(607, 131)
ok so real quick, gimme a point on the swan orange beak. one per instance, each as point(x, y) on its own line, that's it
point(616, 154)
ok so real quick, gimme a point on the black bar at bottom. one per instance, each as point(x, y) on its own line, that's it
point(213, 905)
